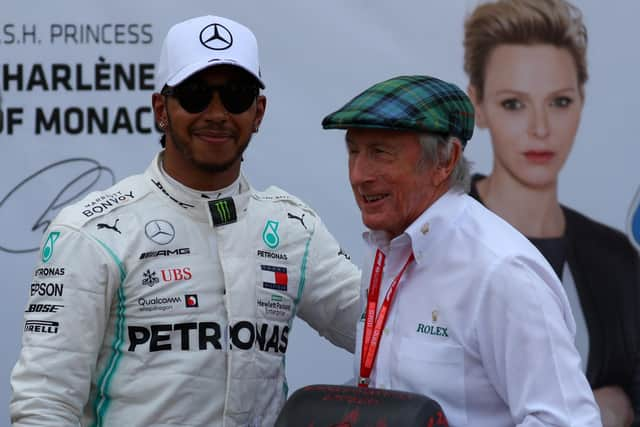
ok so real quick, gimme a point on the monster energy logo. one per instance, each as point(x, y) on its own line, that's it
point(270, 234)
point(47, 249)
point(223, 211)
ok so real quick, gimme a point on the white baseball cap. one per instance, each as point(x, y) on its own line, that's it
point(205, 41)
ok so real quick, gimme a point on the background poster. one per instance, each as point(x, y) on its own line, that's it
point(76, 80)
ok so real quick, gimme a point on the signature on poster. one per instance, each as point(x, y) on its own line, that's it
point(28, 208)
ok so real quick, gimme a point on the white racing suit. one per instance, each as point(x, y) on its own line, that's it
point(153, 306)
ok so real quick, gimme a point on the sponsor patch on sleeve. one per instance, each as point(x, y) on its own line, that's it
point(274, 277)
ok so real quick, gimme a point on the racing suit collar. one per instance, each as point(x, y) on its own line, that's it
point(190, 202)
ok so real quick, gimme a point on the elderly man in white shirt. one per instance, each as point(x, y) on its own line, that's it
point(458, 305)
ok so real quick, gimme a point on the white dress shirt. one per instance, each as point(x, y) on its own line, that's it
point(480, 322)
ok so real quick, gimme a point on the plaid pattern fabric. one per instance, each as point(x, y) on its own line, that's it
point(416, 103)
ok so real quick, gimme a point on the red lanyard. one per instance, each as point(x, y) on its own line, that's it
point(373, 325)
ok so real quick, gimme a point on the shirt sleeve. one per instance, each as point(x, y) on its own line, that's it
point(525, 334)
point(330, 299)
point(64, 327)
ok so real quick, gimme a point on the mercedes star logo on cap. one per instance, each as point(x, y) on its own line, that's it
point(159, 231)
point(216, 37)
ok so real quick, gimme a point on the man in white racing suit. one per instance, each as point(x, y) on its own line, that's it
point(167, 300)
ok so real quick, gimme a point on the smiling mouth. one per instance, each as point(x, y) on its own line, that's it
point(373, 198)
point(214, 138)
point(213, 134)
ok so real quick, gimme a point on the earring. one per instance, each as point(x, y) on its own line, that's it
point(162, 124)
point(255, 129)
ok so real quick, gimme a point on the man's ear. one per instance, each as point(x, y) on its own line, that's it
point(443, 171)
point(481, 121)
point(159, 109)
point(261, 107)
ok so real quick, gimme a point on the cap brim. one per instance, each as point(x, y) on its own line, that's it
point(192, 69)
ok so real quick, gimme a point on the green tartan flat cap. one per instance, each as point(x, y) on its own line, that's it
point(415, 103)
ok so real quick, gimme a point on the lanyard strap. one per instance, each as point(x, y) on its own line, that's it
point(373, 324)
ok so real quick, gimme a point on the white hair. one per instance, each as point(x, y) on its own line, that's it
point(436, 149)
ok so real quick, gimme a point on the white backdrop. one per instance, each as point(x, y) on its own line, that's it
point(315, 56)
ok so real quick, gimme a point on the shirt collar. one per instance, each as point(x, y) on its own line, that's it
point(190, 200)
point(428, 229)
point(229, 191)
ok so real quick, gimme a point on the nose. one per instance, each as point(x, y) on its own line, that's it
point(215, 110)
point(539, 122)
point(360, 169)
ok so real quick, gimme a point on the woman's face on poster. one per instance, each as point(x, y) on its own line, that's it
point(531, 106)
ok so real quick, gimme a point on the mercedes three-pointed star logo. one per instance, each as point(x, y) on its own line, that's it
point(160, 231)
point(216, 37)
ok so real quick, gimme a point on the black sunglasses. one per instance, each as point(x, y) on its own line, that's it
point(195, 96)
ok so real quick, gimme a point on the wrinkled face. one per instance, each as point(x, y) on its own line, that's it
point(532, 106)
point(392, 187)
point(209, 143)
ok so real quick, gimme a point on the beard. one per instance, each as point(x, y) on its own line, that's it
point(210, 167)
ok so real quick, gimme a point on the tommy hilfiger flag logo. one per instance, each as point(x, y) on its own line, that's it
point(274, 277)
point(223, 211)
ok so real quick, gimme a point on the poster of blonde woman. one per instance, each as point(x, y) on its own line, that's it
point(527, 67)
